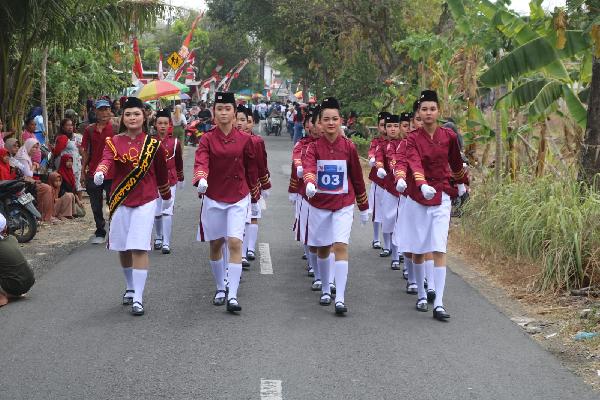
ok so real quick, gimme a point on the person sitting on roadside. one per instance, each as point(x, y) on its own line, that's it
point(64, 202)
point(69, 184)
point(6, 172)
point(27, 168)
point(16, 276)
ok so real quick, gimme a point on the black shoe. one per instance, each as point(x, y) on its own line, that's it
point(245, 263)
point(233, 307)
point(325, 299)
point(316, 286)
point(311, 272)
point(340, 308)
point(126, 299)
point(219, 301)
point(166, 249)
point(250, 255)
point(304, 256)
point(405, 273)
point(332, 288)
point(422, 304)
point(137, 308)
point(376, 244)
point(395, 265)
point(440, 313)
point(157, 244)
point(430, 296)
point(401, 258)
point(385, 253)
point(411, 288)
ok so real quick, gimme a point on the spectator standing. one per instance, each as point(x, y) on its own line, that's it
point(289, 117)
point(179, 123)
point(92, 145)
point(298, 123)
point(66, 144)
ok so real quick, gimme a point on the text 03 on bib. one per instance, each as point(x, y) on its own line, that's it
point(332, 176)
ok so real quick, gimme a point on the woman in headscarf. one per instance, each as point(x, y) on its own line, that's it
point(66, 145)
point(40, 128)
point(69, 182)
point(29, 133)
point(44, 199)
point(64, 202)
point(6, 174)
point(179, 123)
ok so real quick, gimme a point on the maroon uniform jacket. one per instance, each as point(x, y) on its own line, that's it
point(172, 148)
point(298, 154)
point(373, 154)
point(386, 158)
point(400, 165)
point(435, 162)
point(228, 163)
point(342, 148)
point(121, 155)
point(264, 175)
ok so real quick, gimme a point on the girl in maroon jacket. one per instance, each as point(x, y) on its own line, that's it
point(226, 174)
point(434, 166)
point(334, 181)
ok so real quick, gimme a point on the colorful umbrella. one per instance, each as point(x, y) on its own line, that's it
point(156, 89)
point(181, 96)
point(181, 86)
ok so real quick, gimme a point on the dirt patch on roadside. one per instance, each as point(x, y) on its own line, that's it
point(552, 319)
point(53, 242)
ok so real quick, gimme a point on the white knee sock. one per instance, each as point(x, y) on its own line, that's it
point(440, 284)
point(324, 267)
point(252, 232)
point(312, 261)
point(245, 241)
point(331, 268)
point(395, 253)
point(410, 269)
point(341, 276)
point(218, 273)
point(128, 272)
point(420, 276)
point(158, 227)
point(429, 274)
point(235, 273)
point(387, 240)
point(139, 282)
point(376, 229)
point(167, 228)
point(306, 250)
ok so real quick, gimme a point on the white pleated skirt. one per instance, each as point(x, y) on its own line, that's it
point(376, 194)
point(326, 227)
point(222, 220)
point(399, 221)
point(389, 210)
point(131, 227)
point(159, 202)
point(424, 229)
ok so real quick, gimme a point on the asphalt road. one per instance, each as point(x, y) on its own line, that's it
point(71, 339)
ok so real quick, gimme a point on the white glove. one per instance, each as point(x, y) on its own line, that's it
point(371, 161)
point(292, 197)
point(265, 193)
point(401, 185)
point(381, 173)
point(311, 190)
point(180, 184)
point(461, 189)
point(428, 192)
point(254, 208)
point(202, 186)
point(300, 171)
point(98, 178)
point(166, 204)
point(364, 217)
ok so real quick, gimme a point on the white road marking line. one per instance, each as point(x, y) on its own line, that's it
point(270, 389)
point(266, 267)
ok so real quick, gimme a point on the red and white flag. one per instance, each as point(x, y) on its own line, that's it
point(160, 67)
point(138, 70)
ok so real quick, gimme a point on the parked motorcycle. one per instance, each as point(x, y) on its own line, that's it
point(17, 206)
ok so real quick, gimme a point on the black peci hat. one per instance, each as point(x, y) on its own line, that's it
point(428, 95)
point(330, 102)
point(225, 98)
point(382, 115)
point(163, 113)
point(248, 113)
point(405, 117)
point(392, 119)
point(241, 109)
point(133, 102)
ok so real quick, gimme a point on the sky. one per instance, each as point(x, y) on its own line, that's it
point(521, 6)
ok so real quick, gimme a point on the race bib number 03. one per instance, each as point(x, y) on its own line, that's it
point(332, 176)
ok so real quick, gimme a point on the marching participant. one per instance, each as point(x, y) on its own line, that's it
point(251, 232)
point(163, 220)
point(433, 157)
point(415, 121)
point(227, 178)
point(376, 188)
point(333, 177)
point(137, 163)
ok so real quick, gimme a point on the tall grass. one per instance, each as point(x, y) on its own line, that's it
point(550, 220)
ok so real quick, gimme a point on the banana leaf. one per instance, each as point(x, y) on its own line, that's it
point(576, 109)
point(523, 94)
point(551, 92)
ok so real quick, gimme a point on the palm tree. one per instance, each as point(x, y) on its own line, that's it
point(30, 26)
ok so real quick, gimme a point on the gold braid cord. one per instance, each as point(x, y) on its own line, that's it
point(118, 196)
